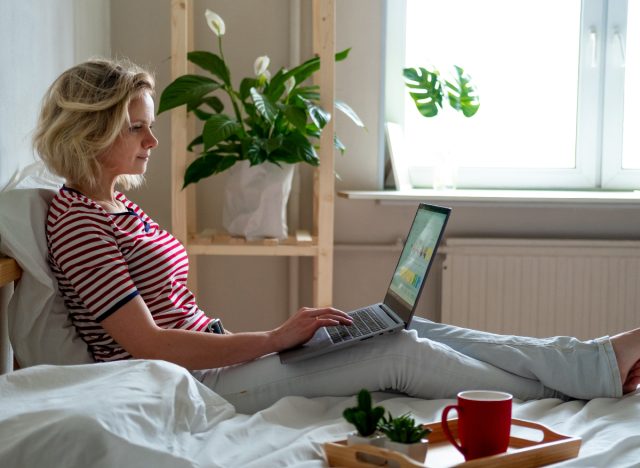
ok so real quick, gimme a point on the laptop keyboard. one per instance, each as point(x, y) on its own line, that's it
point(365, 321)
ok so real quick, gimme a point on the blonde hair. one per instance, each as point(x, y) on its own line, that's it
point(83, 113)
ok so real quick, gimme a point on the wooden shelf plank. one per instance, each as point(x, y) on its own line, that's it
point(9, 271)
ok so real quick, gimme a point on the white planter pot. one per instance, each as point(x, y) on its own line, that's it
point(377, 440)
point(417, 451)
point(255, 200)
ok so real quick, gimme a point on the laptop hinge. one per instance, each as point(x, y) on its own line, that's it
point(391, 313)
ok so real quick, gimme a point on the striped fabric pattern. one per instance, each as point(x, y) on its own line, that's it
point(103, 260)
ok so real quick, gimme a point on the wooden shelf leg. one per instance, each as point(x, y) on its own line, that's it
point(324, 182)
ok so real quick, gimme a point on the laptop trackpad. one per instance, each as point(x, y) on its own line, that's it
point(321, 336)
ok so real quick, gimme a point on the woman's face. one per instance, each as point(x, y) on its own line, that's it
point(130, 152)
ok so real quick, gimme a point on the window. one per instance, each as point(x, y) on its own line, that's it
point(555, 79)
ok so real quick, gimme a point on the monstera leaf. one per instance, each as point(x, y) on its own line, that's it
point(427, 89)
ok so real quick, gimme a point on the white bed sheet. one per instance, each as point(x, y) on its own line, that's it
point(154, 414)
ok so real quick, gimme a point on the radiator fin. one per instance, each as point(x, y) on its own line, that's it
point(542, 287)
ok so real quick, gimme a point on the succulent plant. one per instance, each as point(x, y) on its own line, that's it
point(403, 429)
point(364, 417)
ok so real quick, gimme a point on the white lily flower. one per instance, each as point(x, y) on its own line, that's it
point(261, 64)
point(215, 22)
point(289, 84)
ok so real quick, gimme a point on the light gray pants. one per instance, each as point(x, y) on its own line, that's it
point(431, 360)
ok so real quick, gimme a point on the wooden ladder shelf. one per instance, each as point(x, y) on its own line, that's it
point(319, 243)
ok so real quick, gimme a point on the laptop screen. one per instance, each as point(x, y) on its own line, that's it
point(416, 259)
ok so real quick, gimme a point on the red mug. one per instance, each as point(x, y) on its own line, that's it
point(484, 423)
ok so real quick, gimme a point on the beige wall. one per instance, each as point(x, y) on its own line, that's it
point(252, 292)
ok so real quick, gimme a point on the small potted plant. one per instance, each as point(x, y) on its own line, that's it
point(404, 435)
point(430, 92)
point(365, 418)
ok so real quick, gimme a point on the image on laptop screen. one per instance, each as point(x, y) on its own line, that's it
point(417, 255)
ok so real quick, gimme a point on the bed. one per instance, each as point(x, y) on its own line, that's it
point(60, 409)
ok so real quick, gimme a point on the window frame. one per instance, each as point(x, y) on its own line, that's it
point(599, 110)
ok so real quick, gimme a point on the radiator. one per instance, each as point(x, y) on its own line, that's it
point(582, 288)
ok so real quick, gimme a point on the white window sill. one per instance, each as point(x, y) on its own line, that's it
point(470, 197)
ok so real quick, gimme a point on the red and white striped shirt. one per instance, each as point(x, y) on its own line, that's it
point(103, 260)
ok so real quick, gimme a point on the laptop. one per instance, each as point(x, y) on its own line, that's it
point(396, 310)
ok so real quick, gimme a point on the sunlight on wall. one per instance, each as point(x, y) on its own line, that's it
point(40, 39)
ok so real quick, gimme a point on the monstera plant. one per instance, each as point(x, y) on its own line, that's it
point(429, 90)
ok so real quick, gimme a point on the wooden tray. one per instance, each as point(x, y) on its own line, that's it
point(550, 447)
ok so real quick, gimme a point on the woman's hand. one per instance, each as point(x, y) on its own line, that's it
point(300, 327)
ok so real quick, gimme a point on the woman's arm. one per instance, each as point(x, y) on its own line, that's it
point(133, 328)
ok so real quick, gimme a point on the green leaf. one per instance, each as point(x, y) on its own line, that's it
point(349, 112)
point(312, 131)
point(265, 107)
point(206, 165)
point(297, 117)
point(428, 92)
point(343, 54)
point(202, 115)
point(318, 115)
point(255, 152)
point(463, 95)
point(311, 93)
point(275, 87)
point(214, 102)
point(218, 128)
point(338, 144)
point(308, 68)
point(212, 63)
point(299, 146)
point(184, 90)
point(196, 141)
point(273, 143)
point(245, 87)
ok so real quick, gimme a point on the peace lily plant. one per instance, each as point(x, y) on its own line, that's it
point(274, 118)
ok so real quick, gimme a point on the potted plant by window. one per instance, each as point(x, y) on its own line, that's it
point(430, 91)
point(404, 435)
point(275, 122)
point(365, 418)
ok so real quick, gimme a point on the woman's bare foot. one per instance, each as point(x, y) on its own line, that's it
point(627, 349)
point(633, 379)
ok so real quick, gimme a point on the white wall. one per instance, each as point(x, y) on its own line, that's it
point(39, 39)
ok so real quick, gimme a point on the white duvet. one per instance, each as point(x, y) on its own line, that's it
point(154, 414)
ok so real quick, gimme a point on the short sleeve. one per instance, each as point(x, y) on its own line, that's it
point(83, 246)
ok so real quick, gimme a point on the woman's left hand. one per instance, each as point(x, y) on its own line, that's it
point(300, 327)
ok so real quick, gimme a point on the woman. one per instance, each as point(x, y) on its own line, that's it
point(123, 279)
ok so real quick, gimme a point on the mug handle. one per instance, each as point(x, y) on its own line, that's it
point(447, 431)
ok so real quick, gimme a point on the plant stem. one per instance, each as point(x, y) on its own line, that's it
point(229, 90)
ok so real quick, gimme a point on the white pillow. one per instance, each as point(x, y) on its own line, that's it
point(39, 327)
